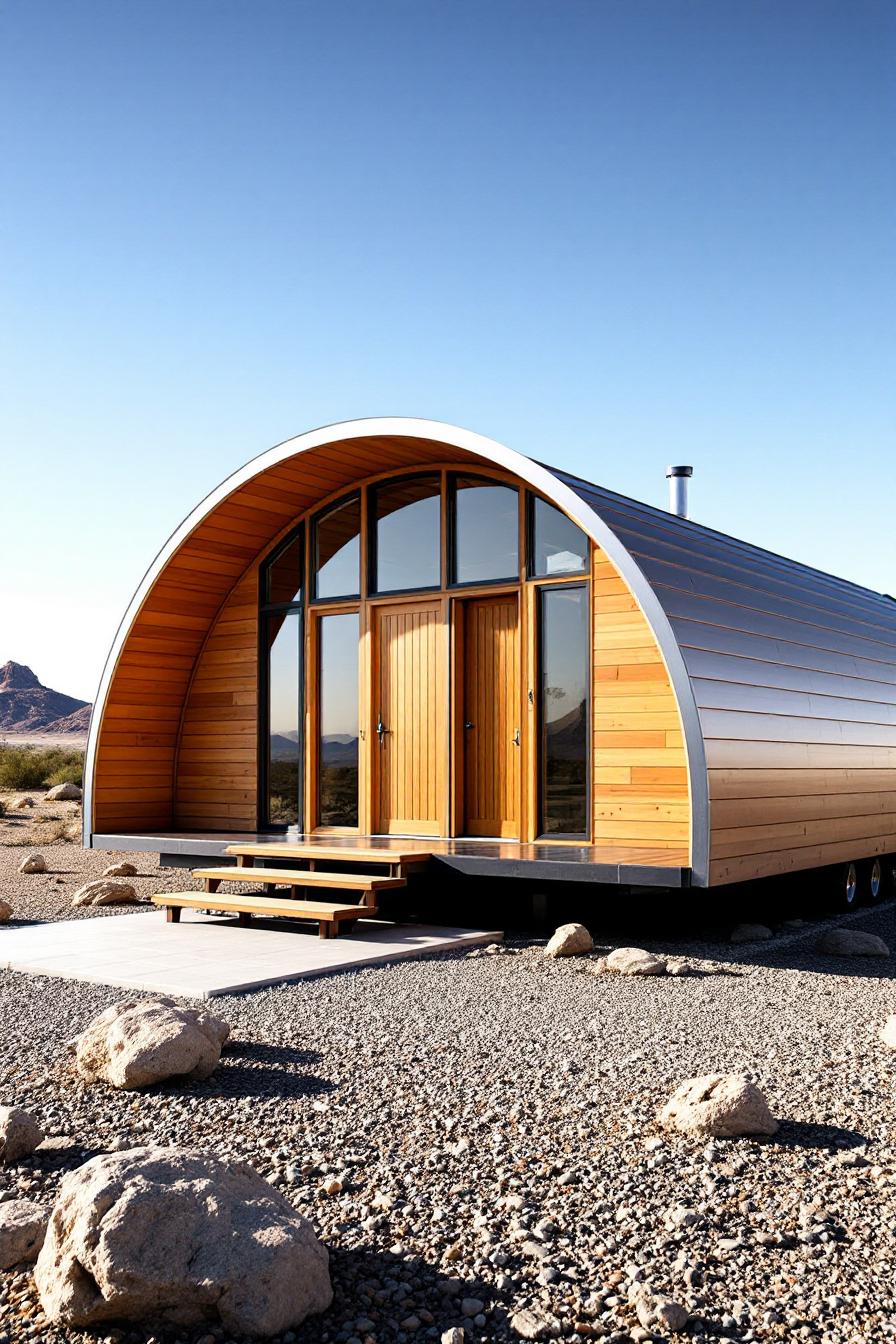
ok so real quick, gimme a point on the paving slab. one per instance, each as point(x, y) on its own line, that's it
point(206, 955)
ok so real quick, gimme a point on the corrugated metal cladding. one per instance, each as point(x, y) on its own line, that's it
point(794, 677)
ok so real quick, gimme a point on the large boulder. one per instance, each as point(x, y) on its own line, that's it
point(23, 1226)
point(634, 961)
point(63, 793)
point(570, 940)
point(723, 1105)
point(19, 1134)
point(123, 869)
point(33, 863)
point(105, 891)
point(136, 1044)
point(5, 911)
point(852, 943)
point(181, 1238)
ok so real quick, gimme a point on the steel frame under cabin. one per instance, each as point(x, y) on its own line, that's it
point(741, 707)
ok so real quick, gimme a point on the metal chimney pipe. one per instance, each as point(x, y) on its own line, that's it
point(678, 478)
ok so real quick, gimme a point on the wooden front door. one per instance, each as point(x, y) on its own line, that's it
point(409, 736)
point(491, 716)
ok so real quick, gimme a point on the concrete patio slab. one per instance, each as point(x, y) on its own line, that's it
point(205, 955)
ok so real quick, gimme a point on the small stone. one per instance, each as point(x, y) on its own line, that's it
point(456, 1335)
point(528, 1324)
point(120, 870)
point(63, 793)
point(333, 1187)
point(20, 804)
point(471, 1306)
point(570, 940)
point(5, 911)
point(852, 943)
point(888, 1032)
point(750, 933)
point(23, 1226)
point(663, 1313)
point(33, 863)
point(722, 1105)
point(104, 891)
point(20, 1134)
point(635, 961)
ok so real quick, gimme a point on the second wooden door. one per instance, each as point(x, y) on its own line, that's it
point(409, 719)
point(491, 709)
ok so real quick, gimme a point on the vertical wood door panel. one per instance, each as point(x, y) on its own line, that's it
point(411, 761)
point(491, 709)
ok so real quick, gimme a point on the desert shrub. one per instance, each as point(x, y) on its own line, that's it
point(34, 767)
point(2, 808)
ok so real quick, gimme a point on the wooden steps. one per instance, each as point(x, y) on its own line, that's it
point(328, 914)
point(298, 877)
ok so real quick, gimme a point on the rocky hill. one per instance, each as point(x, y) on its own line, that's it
point(28, 707)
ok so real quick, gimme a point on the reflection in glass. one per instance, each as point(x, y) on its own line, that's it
point(337, 550)
point(406, 536)
point(486, 531)
point(558, 546)
point(283, 644)
point(338, 721)
point(284, 573)
point(564, 711)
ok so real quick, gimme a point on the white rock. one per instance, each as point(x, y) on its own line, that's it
point(720, 1104)
point(655, 1311)
point(104, 891)
point(23, 1226)
point(33, 863)
point(569, 940)
point(19, 1134)
point(63, 793)
point(456, 1335)
point(888, 1032)
point(123, 869)
point(21, 804)
point(750, 933)
point(133, 1045)
point(635, 961)
point(852, 943)
point(529, 1324)
point(179, 1237)
point(5, 911)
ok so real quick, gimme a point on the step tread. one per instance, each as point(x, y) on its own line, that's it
point(204, 900)
point(297, 877)
point(336, 853)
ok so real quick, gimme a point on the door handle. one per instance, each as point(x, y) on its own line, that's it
point(469, 725)
point(516, 738)
point(381, 729)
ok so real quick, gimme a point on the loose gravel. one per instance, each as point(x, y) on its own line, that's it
point(474, 1136)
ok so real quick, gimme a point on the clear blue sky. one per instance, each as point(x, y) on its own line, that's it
point(610, 235)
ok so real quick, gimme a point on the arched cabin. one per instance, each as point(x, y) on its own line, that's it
point(397, 628)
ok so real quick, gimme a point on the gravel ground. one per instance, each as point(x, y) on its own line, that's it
point(486, 1127)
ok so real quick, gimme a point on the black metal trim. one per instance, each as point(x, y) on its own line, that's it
point(532, 498)
point(372, 491)
point(267, 610)
point(453, 583)
point(539, 677)
point(313, 522)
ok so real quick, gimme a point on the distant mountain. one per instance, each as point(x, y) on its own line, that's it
point(28, 707)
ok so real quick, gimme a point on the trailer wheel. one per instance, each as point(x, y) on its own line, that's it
point(847, 886)
point(871, 879)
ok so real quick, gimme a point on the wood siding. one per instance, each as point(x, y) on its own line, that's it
point(794, 678)
point(217, 764)
point(640, 793)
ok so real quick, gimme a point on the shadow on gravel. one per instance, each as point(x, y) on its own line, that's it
point(800, 1134)
point(262, 1053)
point(261, 1080)
point(389, 1289)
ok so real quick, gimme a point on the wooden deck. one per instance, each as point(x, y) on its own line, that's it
point(614, 865)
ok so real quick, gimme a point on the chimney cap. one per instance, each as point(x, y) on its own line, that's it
point(679, 471)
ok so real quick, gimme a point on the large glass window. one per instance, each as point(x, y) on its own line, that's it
point(338, 720)
point(485, 531)
point(284, 643)
point(336, 550)
point(564, 710)
point(283, 576)
point(406, 535)
point(557, 545)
